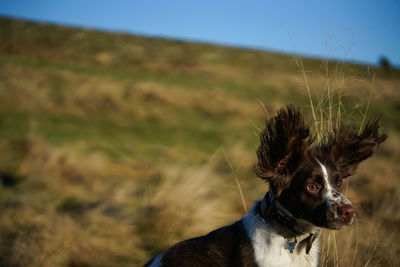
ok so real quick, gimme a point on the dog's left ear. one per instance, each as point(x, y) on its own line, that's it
point(348, 147)
point(283, 144)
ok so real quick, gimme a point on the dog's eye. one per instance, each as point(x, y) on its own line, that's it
point(313, 187)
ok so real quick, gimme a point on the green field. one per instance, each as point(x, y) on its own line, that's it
point(115, 146)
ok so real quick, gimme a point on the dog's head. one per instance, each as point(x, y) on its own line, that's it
point(308, 178)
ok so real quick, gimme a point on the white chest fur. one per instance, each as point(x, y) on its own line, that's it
point(269, 247)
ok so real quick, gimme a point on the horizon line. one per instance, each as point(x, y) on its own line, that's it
point(201, 41)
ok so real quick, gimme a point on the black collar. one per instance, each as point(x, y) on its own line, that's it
point(294, 230)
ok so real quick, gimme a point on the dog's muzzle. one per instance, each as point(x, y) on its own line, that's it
point(339, 215)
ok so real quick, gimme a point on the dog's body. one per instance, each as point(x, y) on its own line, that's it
point(305, 194)
point(248, 242)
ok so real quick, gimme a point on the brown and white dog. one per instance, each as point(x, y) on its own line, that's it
point(305, 181)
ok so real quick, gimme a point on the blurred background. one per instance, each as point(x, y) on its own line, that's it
point(128, 126)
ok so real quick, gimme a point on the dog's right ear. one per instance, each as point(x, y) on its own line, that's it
point(283, 144)
point(348, 147)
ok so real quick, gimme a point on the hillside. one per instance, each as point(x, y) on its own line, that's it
point(115, 146)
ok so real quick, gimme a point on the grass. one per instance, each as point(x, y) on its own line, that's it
point(108, 138)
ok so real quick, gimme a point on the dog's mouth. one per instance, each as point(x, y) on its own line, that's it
point(336, 224)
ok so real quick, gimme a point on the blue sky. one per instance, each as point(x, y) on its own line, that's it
point(352, 30)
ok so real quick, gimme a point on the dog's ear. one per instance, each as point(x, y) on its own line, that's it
point(348, 147)
point(283, 144)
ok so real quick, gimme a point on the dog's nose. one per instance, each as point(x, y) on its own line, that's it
point(347, 212)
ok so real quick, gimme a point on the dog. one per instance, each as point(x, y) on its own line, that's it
point(305, 194)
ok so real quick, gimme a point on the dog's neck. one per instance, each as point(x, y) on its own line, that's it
point(295, 230)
